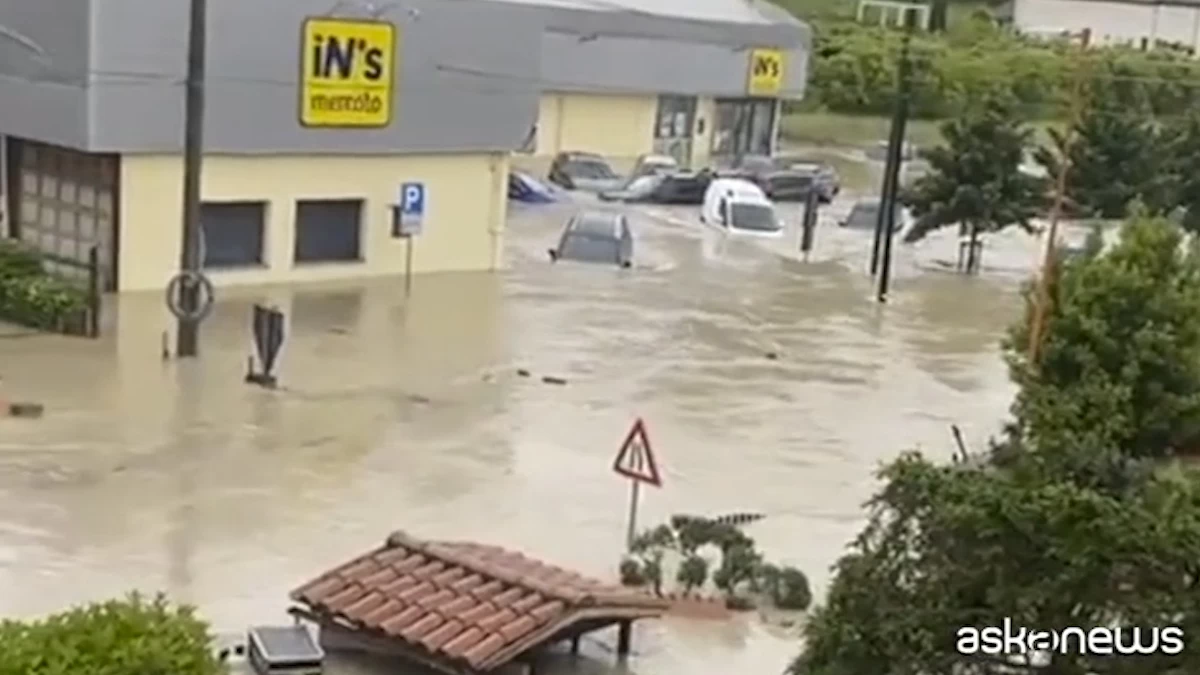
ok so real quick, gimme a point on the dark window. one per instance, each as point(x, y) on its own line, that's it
point(233, 233)
point(329, 231)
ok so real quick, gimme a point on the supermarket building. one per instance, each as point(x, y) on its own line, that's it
point(307, 146)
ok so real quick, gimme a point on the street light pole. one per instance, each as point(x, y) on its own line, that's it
point(887, 204)
point(188, 333)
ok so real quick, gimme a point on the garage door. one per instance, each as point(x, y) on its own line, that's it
point(63, 202)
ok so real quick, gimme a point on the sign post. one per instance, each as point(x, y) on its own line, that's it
point(347, 72)
point(635, 461)
point(408, 221)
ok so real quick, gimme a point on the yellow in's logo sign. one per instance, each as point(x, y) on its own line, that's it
point(766, 72)
point(348, 73)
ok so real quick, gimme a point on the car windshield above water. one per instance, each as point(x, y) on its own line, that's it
point(864, 216)
point(756, 217)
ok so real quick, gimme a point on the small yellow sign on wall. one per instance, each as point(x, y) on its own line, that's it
point(766, 73)
point(347, 73)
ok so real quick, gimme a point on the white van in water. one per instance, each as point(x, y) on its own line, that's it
point(739, 206)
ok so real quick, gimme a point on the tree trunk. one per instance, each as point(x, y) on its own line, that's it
point(973, 250)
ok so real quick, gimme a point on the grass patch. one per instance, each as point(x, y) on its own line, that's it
point(860, 131)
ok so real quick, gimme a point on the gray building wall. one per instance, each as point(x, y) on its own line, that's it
point(40, 98)
point(698, 47)
point(658, 66)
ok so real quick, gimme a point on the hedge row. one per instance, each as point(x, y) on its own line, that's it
point(135, 636)
point(854, 71)
point(32, 297)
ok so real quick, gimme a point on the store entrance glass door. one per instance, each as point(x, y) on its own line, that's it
point(745, 126)
point(673, 127)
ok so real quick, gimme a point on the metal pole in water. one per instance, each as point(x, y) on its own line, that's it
point(631, 533)
point(188, 334)
point(408, 264)
point(887, 206)
point(809, 224)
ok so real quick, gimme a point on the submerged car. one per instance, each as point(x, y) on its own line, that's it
point(583, 171)
point(779, 182)
point(596, 237)
point(648, 165)
point(675, 187)
point(523, 187)
point(865, 214)
point(825, 178)
point(739, 206)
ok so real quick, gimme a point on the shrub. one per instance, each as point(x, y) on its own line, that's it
point(692, 573)
point(30, 296)
point(631, 572)
point(790, 589)
point(134, 636)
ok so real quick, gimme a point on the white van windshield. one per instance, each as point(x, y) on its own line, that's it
point(757, 217)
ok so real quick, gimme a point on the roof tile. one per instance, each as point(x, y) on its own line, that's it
point(460, 605)
point(518, 629)
point(394, 588)
point(409, 564)
point(358, 570)
point(415, 593)
point(462, 601)
point(364, 605)
point(547, 611)
point(449, 576)
point(428, 570)
point(379, 578)
point(487, 590)
point(480, 611)
point(509, 597)
point(391, 556)
point(397, 624)
point(467, 583)
point(526, 603)
point(382, 613)
point(483, 649)
point(441, 635)
point(346, 597)
point(464, 641)
point(491, 623)
point(422, 628)
point(435, 600)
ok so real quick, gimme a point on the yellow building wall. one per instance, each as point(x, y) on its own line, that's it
point(464, 220)
point(620, 126)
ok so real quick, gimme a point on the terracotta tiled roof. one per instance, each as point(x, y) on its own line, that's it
point(463, 602)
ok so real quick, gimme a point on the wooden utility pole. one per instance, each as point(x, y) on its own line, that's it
point(188, 335)
point(1042, 305)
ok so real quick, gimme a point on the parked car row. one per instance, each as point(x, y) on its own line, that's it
point(658, 178)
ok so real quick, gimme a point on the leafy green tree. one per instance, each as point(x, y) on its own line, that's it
point(1118, 377)
point(947, 548)
point(1074, 520)
point(975, 180)
point(1115, 155)
point(739, 565)
point(1182, 142)
point(135, 636)
point(692, 573)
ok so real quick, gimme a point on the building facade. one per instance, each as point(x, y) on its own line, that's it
point(91, 112)
point(674, 77)
point(318, 111)
point(1139, 23)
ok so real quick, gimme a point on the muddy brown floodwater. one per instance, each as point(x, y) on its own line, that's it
point(409, 414)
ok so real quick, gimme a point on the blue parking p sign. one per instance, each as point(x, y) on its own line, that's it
point(410, 210)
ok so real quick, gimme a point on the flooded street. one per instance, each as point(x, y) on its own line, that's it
point(410, 414)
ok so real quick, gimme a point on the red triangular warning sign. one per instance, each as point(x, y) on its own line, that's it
point(635, 459)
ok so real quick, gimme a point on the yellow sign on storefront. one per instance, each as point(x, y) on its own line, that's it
point(766, 73)
point(347, 72)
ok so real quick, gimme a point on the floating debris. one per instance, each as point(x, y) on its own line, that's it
point(772, 356)
point(550, 379)
point(522, 372)
point(27, 410)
